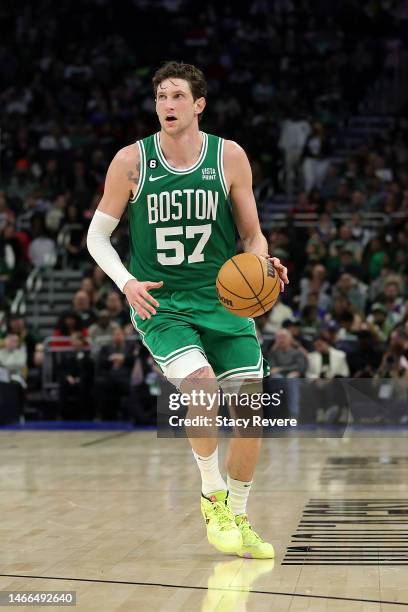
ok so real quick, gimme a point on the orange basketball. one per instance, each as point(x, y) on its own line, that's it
point(248, 285)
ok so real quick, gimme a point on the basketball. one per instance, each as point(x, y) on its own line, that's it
point(248, 285)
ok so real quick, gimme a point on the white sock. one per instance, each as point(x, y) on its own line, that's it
point(238, 494)
point(210, 473)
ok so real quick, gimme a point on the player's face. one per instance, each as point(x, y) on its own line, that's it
point(176, 107)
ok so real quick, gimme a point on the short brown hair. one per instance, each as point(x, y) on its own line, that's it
point(179, 70)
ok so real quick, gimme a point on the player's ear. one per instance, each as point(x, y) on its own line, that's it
point(199, 105)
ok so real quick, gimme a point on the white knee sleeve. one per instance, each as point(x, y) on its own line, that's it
point(185, 365)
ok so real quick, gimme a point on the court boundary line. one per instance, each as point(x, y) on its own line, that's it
point(201, 588)
point(120, 434)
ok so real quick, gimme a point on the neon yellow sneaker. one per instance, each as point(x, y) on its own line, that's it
point(253, 546)
point(222, 531)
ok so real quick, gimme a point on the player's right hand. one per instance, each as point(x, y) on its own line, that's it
point(138, 296)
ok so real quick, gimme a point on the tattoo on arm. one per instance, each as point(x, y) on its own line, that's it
point(134, 176)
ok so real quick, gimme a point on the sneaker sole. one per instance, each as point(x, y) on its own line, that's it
point(249, 555)
point(230, 548)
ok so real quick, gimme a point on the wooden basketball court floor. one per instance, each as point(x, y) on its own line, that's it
point(115, 517)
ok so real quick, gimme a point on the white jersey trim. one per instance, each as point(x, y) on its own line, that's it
point(142, 175)
point(163, 161)
point(220, 159)
point(244, 371)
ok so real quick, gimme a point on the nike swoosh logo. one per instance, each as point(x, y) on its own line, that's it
point(156, 178)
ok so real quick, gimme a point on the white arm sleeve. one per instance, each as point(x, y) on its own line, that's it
point(101, 249)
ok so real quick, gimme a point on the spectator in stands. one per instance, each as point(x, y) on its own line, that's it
point(68, 323)
point(279, 243)
point(315, 155)
point(330, 183)
point(294, 328)
point(375, 257)
point(325, 228)
point(81, 305)
point(359, 233)
point(120, 241)
point(21, 184)
point(262, 185)
point(400, 248)
point(313, 300)
point(114, 367)
point(79, 182)
point(130, 333)
point(87, 285)
point(329, 331)
point(316, 282)
point(288, 362)
point(7, 263)
point(13, 357)
point(52, 180)
point(294, 132)
point(263, 90)
point(31, 206)
point(352, 290)
point(276, 316)
point(28, 338)
point(394, 363)
point(102, 285)
point(380, 321)
point(140, 406)
point(392, 298)
point(344, 254)
point(339, 306)
point(304, 203)
point(310, 324)
point(56, 214)
point(11, 235)
point(114, 305)
point(315, 248)
point(376, 287)
point(53, 140)
point(7, 215)
point(100, 332)
point(345, 240)
point(16, 257)
point(347, 263)
point(42, 250)
point(76, 372)
point(76, 236)
point(365, 359)
point(404, 321)
point(346, 329)
point(326, 363)
point(38, 358)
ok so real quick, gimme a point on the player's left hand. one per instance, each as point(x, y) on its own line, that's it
point(281, 270)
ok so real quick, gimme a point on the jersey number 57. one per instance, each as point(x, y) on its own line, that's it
point(165, 243)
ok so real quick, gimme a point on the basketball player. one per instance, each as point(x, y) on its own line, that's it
point(184, 189)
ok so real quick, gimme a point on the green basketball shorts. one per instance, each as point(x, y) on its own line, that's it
point(192, 329)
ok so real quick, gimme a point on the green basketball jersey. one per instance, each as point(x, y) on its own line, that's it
point(180, 221)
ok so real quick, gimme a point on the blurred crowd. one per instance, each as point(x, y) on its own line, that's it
point(283, 79)
point(76, 84)
point(101, 368)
